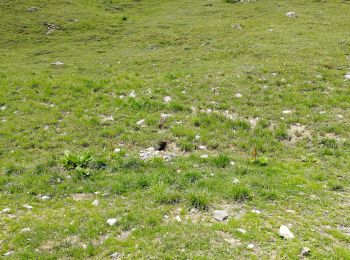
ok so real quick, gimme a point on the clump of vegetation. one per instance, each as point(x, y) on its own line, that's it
point(77, 162)
point(239, 193)
point(262, 161)
point(221, 161)
point(199, 199)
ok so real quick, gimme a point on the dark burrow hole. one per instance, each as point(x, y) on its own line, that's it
point(162, 146)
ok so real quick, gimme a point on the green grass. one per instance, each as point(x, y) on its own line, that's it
point(289, 72)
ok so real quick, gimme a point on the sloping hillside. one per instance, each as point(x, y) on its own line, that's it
point(188, 129)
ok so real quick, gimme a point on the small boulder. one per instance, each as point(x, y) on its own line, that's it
point(112, 221)
point(32, 9)
point(305, 251)
point(291, 14)
point(220, 215)
point(285, 232)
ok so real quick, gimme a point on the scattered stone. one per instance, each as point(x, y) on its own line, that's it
point(8, 253)
point(3, 107)
point(115, 255)
point(220, 215)
point(117, 150)
point(197, 137)
point(6, 210)
point(24, 230)
point(255, 211)
point(204, 156)
point(237, 26)
point(112, 221)
point(322, 112)
point(287, 112)
point(305, 251)
point(132, 94)
point(167, 99)
point(202, 147)
point(238, 95)
point(178, 218)
point(250, 246)
point(57, 63)
point(45, 197)
point(235, 181)
point(106, 118)
point(291, 211)
point(340, 116)
point(347, 76)
point(32, 9)
point(51, 27)
point(232, 163)
point(241, 230)
point(95, 203)
point(285, 232)
point(291, 14)
point(26, 206)
point(141, 122)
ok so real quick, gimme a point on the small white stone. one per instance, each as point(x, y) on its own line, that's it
point(6, 210)
point(57, 63)
point(238, 95)
point(95, 203)
point(286, 112)
point(8, 253)
point(167, 99)
point(45, 197)
point(197, 137)
point(250, 246)
point(241, 230)
point(322, 112)
point(3, 107)
point(111, 221)
point(27, 206)
point(202, 147)
point(117, 150)
point(347, 76)
point(204, 156)
point(256, 211)
point(340, 116)
point(141, 122)
point(132, 94)
point(115, 255)
point(285, 232)
point(24, 230)
point(166, 217)
point(232, 163)
point(235, 181)
point(178, 219)
point(220, 215)
point(291, 14)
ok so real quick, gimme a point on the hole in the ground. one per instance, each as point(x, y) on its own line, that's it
point(162, 146)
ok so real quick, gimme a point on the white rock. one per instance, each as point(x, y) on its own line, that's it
point(167, 99)
point(305, 251)
point(202, 147)
point(250, 246)
point(197, 137)
point(162, 115)
point(25, 229)
point(241, 230)
point(27, 206)
point(340, 116)
point(45, 197)
point(347, 76)
point(117, 150)
point(132, 94)
point(220, 215)
point(112, 221)
point(178, 219)
point(57, 63)
point(256, 211)
point(235, 181)
point(8, 253)
point(204, 156)
point(95, 203)
point(238, 95)
point(6, 210)
point(232, 163)
point(285, 232)
point(141, 122)
point(286, 112)
point(3, 107)
point(291, 14)
point(115, 255)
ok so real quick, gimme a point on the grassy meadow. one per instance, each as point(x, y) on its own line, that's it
point(153, 114)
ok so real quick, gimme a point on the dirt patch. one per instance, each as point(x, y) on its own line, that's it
point(82, 196)
point(298, 132)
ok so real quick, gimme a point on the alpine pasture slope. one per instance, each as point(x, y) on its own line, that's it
point(188, 129)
